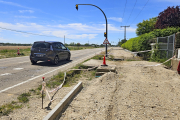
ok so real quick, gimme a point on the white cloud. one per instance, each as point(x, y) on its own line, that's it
point(24, 11)
point(116, 19)
point(82, 36)
point(76, 26)
point(94, 28)
point(72, 30)
point(25, 16)
point(130, 29)
point(61, 33)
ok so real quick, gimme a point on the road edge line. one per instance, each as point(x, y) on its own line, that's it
point(60, 106)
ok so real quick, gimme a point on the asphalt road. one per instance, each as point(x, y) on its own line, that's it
point(17, 75)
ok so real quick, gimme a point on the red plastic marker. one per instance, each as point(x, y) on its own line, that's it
point(178, 69)
point(18, 51)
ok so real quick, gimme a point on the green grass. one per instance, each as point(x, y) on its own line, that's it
point(5, 53)
point(98, 57)
point(8, 108)
point(13, 53)
point(71, 77)
point(23, 98)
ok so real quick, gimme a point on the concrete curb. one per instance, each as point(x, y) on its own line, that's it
point(59, 107)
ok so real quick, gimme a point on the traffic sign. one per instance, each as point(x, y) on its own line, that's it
point(106, 41)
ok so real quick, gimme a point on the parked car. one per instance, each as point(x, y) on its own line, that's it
point(52, 51)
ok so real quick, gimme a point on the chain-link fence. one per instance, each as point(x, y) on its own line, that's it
point(166, 46)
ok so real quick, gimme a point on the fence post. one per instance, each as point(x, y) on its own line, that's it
point(167, 47)
point(173, 43)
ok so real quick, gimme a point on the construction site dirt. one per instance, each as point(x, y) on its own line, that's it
point(136, 91)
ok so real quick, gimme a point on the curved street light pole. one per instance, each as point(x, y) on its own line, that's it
point(105, 19)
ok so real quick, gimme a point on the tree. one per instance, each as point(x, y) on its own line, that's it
point(146, 26)
point(121, 42)
point(78, 44)
point(72, 44)
point(87, 44)
point(170, 17)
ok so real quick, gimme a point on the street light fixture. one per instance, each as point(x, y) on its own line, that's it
point(77, 7)
point(105, 33)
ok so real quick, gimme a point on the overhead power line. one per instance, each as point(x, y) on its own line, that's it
point(124, 11)
point(32, 33)
point(28, 32)
point(140, 11)
point(131, 11)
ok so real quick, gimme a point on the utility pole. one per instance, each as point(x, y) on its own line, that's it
point(125, 31)
point(64, 39)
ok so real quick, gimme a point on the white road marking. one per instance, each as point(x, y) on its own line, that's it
point(12, 58)
point(23, 62)
point(44, 74)
point(5, 74)
point(18, 68)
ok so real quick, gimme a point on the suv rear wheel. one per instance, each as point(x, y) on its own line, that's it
point(56, 60)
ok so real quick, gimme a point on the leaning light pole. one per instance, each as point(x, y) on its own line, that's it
point(105, 34)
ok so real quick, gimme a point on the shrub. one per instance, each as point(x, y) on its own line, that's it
point(143, 41)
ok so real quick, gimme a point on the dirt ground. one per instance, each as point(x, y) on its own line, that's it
point(136, 92)
point(120, 53)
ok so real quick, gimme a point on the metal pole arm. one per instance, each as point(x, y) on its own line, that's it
point(105, 19)
point(101, 11)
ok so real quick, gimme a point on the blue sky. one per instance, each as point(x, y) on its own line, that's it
point(59, 17)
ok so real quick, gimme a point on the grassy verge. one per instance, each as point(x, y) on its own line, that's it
point(8, 52)
point(160, 56)
point(71, 77)
point(5, 53)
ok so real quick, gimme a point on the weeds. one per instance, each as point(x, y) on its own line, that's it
point(5, 53)
point(98, 57)
point(7, 108)
point(160, 56)
point(23, 98)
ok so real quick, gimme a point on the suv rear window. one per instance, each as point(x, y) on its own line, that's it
point(41, 45)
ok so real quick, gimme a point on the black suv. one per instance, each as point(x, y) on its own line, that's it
point(53, 51)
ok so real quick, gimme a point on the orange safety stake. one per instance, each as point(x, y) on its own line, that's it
point(178, 69)
point(104, 62)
